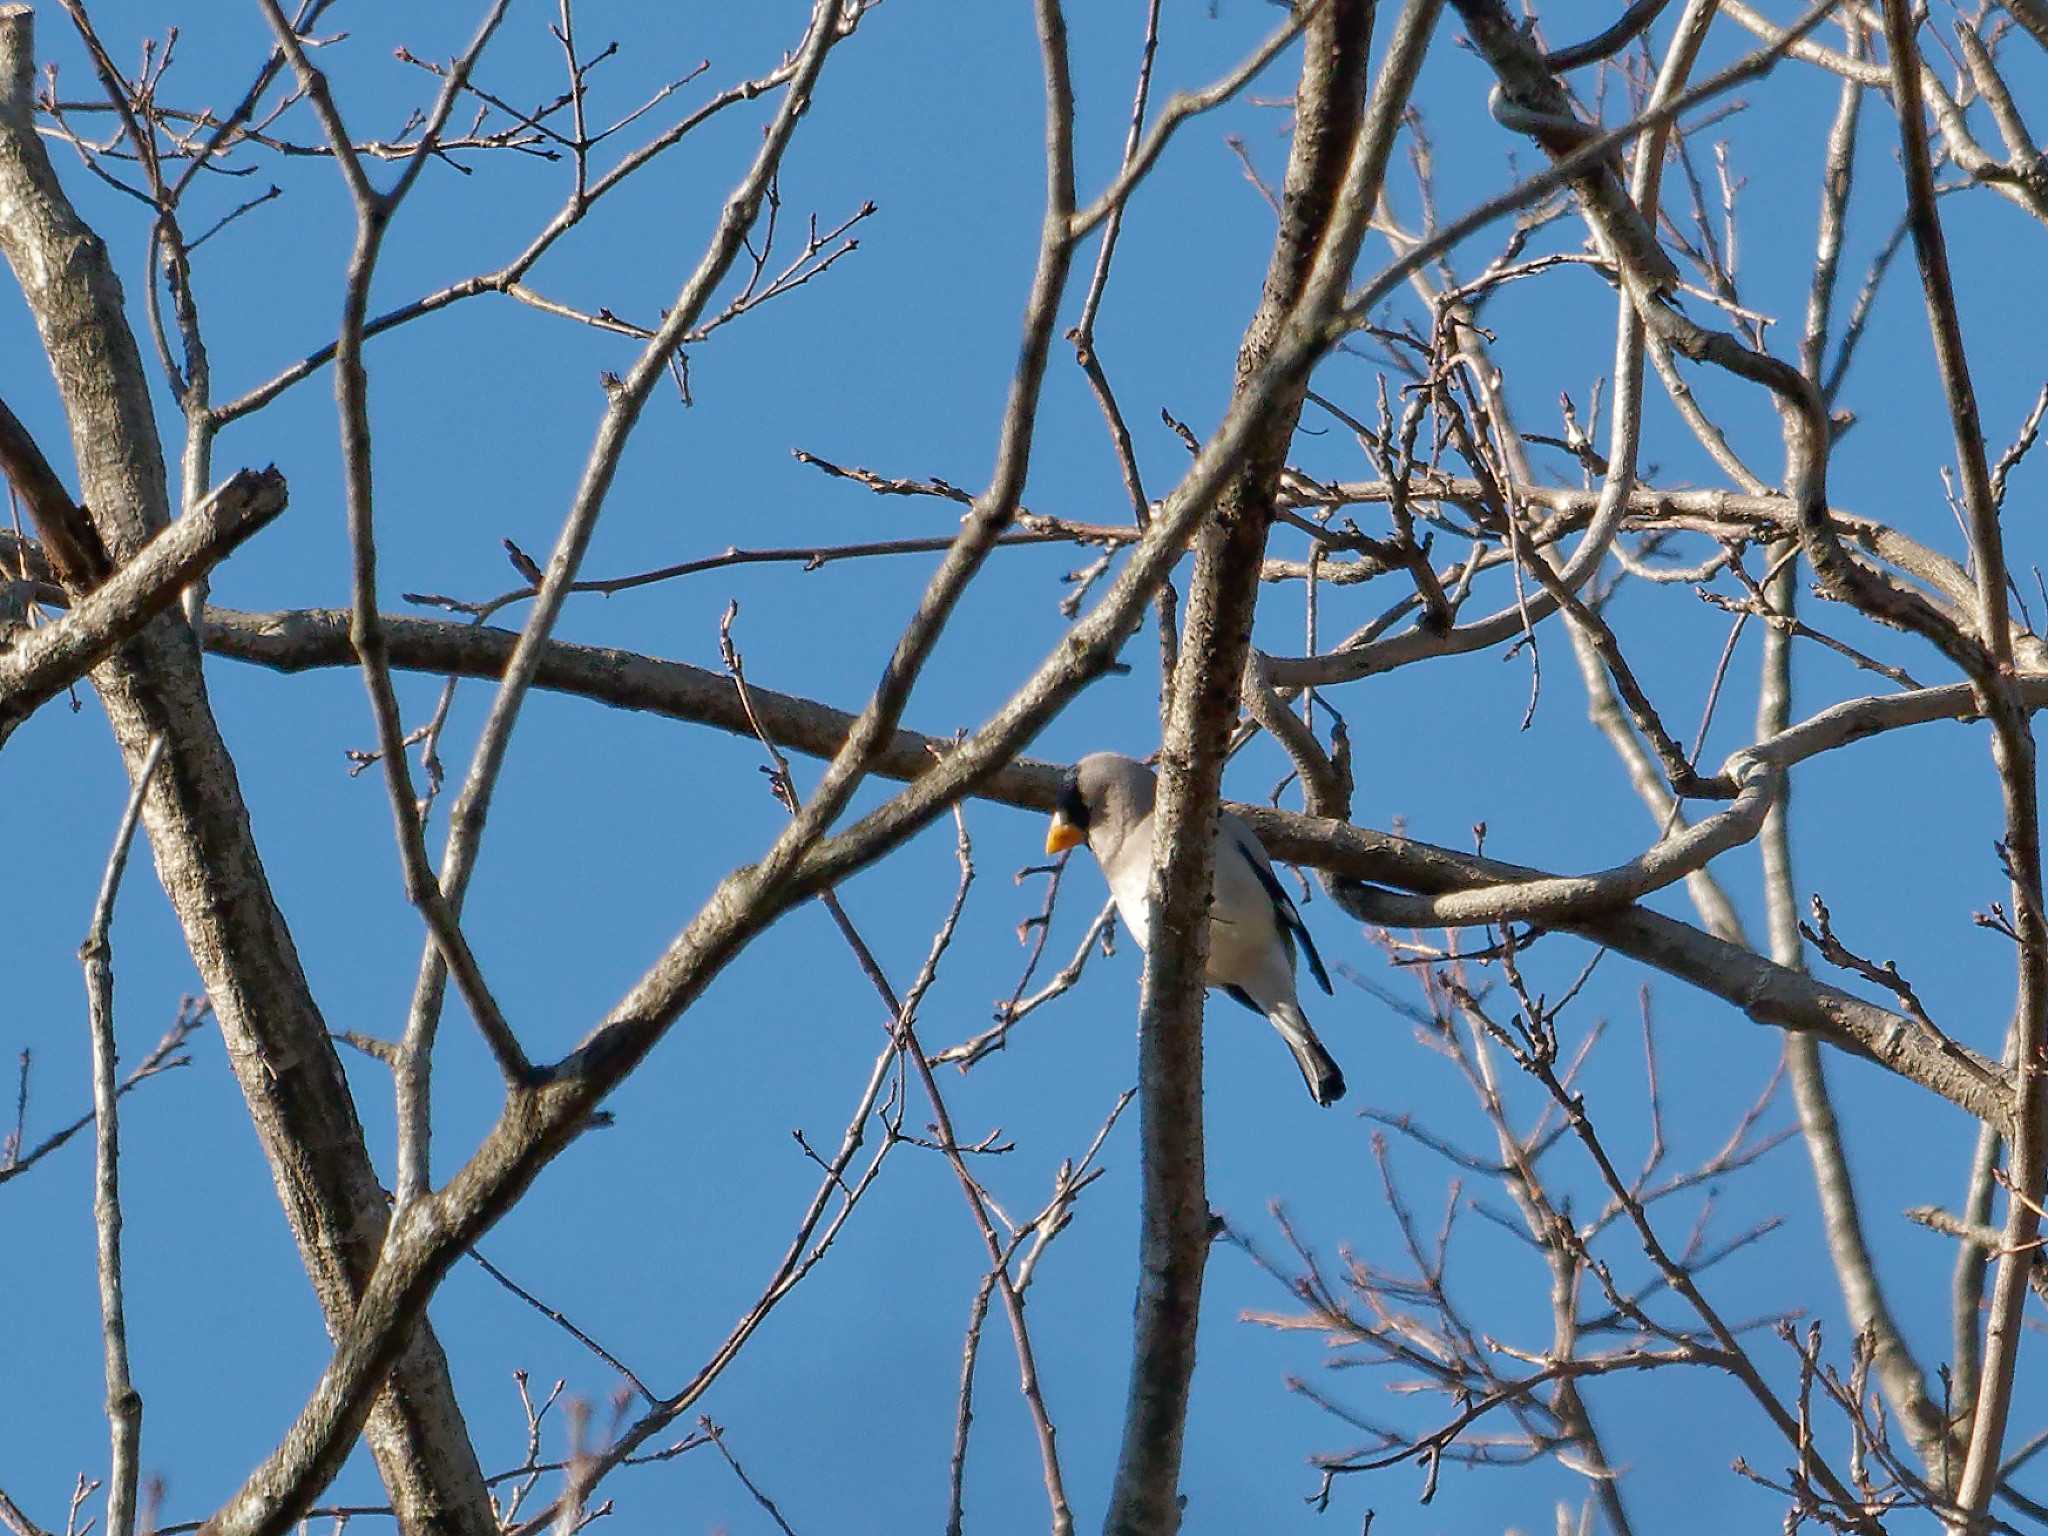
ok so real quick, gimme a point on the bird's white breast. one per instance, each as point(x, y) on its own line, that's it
point(1129, 873)
point(1246, 948)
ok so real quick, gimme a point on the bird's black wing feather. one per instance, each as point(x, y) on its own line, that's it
point(1238, 994)
point(1290, 918)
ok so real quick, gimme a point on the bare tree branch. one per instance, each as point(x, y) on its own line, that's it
point(124, 1403)
point(198, 824)
point(472, 805)
point(1334, 174)
point(412, 1069)
point(70, 542)
point(509, 278)
point(543, 1117)
point(1368, 655)
point(1785, 999)
point(163, 1057)
point(17, 1522)
point(1454, 486)
point(1899, 1374)
point(2013, 754)
point(47, 660)
point(1180, 107)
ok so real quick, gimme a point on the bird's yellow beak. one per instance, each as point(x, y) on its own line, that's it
point(1062, 835)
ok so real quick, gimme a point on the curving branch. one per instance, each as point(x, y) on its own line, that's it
point(1625, 29)
point(1578, 163)
point(1711, 512)
point(1556, 899)
point(1530, 101)
point(1493, 515)
point(304, 639)
point(300, 640)
point(540, 1122)
point(1765, 992)
point(1620, 228)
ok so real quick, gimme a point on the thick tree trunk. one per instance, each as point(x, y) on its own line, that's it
point(1174, 1235)
point(199, 828)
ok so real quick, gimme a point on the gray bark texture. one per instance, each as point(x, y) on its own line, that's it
point(198, 826)
point(1363, 861)
point(1174, 1234)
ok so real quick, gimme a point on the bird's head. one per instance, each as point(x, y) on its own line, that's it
point(1101, 798)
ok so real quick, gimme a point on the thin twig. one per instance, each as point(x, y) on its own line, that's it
point(124, 1403)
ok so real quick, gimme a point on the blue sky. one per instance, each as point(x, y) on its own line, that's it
point(610, 828)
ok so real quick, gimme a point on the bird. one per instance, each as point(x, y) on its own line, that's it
point(1105, 800)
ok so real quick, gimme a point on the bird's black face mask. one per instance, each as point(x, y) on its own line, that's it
point(1069, 826)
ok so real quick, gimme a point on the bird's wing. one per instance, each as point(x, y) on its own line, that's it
point(1238, 995)
point(1289, 918)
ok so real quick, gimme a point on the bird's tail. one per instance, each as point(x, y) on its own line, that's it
point(1324, 1077)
